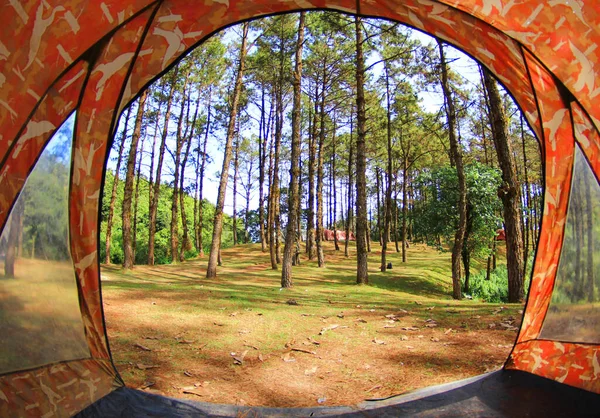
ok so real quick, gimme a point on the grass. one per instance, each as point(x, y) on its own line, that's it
point(194, 329)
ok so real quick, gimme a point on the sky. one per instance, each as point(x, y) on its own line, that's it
point(430, 101)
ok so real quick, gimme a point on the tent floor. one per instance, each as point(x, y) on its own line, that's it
point(504, 393)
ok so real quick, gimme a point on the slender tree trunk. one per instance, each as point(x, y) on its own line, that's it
point(509, 193)
point(388, 195)
point(527, 203)
point(396, 212)
point(186, 244)
point(215, 246)
point(180, 139)
point(113, 196)
point(12, 241)
point(312, 160)
point(404, 206)
point(136, 200)
point(294, 194)
point(456, 157)
point(201, 181)
point(320, 175)
point(236, 165)
point(350, 186)
point(590, 239)
point(161, 156)
point(128, 256)
point(334, 189)
point(262, 156)
point(362, 272)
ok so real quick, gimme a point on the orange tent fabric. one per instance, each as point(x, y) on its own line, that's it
point(95, 56)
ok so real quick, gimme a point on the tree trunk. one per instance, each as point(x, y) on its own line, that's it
point(128, 256)
point(215, 246)
point(388, 194)
point(590, 239)
point(113, 196)
point(236, 165)
point(456, 157)
point(136, 199)
point(509, 192)
point(161, 156)
point(404, 206)
point(362, 275)
point(186, 244)
point(180, 139)
point(350, 188)
point(294, 189)
point(334, 190)
point(320, 176)
point(200, 226)
point(312, 159)
point(12, 241)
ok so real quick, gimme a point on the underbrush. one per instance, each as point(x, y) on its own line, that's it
point(494, 290)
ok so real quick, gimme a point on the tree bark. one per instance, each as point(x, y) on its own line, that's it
point(215, 246)
point(294, 189)
point(362, 275)
point(312, 159)
point(180, 139)
point(113, 196)
point(161, 156)
point(509, 192)
point(200, 225)
point(186, 244)
point(456, 157)
point(350, 187)
point(128, 256)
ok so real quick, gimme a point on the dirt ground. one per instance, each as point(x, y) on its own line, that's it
point(290, 352)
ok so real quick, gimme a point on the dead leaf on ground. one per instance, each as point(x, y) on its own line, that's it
point(146, 385)
point(435, 339)
point(429, 308)
point(301, 350)
point(431, 325)
point(340, 315)
point(239, 360)
point(491, 326)
point(260, 358)
point(251, 346)
point(410, 347)
point(389, 326)
point(373, 388)
point(243, 331)
point(329, 328)
point(290, 343)
point(311, 371)
point(287, 357)
point(217, 324)
point(142, 347)
point(417, 302)
point(361, 321)
point(142, 366)
point(410, 328)
point(403, 338)
point(193, 392)
point(187, 341)
point(148, 337)
point(380, 342)
point(233, 313)
point(313, 341)
point(448, 331)
point(188, 374)
point(292, 302)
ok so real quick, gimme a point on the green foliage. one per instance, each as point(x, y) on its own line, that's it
point(494, 290)
point(436, 214)
point(162, 244)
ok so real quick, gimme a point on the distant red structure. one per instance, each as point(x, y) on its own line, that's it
point(500, 235)
point(341, 235)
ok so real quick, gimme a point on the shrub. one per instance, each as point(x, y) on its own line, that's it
point(494, 290)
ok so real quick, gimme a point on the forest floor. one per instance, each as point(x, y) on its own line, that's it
point(240, 339)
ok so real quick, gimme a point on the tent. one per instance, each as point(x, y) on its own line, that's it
point(96, 56)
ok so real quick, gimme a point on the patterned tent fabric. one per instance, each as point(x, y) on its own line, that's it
point(95, 56)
